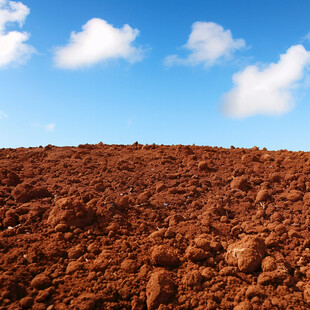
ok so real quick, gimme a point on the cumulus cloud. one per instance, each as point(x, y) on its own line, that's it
point(13, 48)
point(98, 41)
point(3, 115)
point(268, 90)
point(207, 43)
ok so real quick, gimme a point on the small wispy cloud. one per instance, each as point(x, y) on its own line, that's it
point(267, 90)
point(208, 43)
point(98, 42)
point(48, 127)
point(13, 49)
point(3, 115)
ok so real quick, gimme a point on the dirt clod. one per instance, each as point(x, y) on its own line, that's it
point(247, 253)
point(160, 289)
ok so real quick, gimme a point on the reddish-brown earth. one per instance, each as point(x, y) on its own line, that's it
point(147, 227)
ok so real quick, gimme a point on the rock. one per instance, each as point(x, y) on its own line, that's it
point(164, 256)
point(240, 183)
point(160, 289)
point(41, 281)
point(262, 195)
point(247, 253)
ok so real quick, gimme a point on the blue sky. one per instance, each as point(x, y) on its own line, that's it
point(92, 90)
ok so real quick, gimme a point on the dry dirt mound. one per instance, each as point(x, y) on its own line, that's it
point(154, 227)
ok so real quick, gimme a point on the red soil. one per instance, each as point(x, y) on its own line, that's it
point(147, 227)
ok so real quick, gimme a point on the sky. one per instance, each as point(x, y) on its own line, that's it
point(216, 73)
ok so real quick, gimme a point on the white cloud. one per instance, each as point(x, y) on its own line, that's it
point(208, 42)
point(98, 41)
point(11, 11)
point(267, 90)
point(3, 115)
point(12, 46)
point(50, 127)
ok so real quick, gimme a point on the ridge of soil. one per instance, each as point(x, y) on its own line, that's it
point(154, 227)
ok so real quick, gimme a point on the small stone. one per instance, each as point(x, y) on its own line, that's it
point(160, 289)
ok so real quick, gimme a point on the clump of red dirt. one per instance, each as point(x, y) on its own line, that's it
point(154, 227)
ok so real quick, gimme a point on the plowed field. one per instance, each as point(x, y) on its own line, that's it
point(154, 227)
